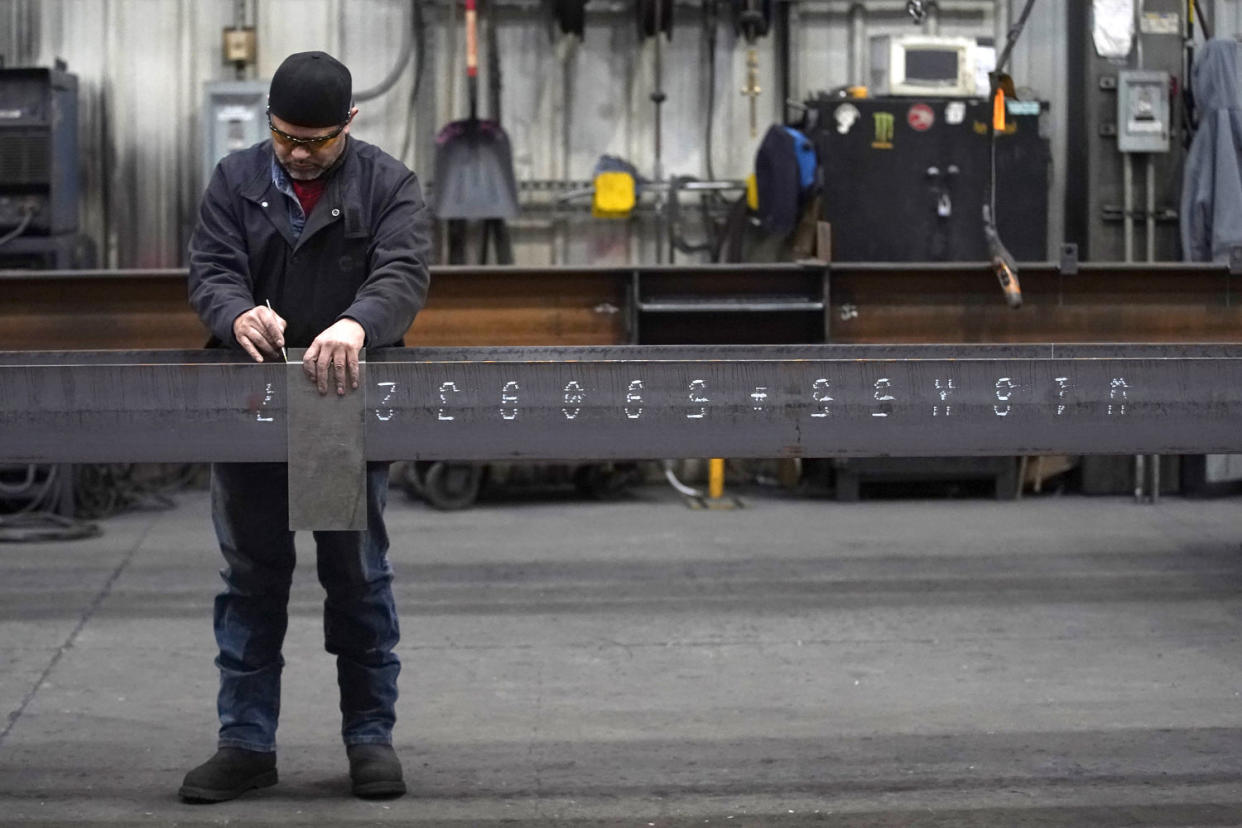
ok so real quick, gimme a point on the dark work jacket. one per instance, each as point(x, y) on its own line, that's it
point(362, 255)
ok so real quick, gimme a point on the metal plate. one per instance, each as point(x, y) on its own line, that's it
point(327, 453)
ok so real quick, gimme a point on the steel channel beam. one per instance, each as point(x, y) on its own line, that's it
point(641, 402)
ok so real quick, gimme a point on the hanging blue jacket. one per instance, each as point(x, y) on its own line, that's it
point(1211, 216)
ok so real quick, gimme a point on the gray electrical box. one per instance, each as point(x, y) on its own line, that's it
point(1143, 111)
point(234, 117)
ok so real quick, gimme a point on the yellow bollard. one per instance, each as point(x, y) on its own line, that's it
point(714, 498)
point(715, 478)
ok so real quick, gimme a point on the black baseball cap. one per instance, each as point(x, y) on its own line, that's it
point(311, 89)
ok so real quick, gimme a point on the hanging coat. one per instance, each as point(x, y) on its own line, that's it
point(1211, 217)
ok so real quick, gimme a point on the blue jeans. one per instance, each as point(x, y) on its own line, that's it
point(249, 507)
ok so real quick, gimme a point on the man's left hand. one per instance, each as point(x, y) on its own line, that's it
point(335, 351)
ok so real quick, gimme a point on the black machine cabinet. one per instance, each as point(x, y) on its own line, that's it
point(904, 179)
point(38, 150)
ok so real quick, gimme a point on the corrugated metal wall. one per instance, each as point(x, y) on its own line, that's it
point(142, 65)
point(1225, 17)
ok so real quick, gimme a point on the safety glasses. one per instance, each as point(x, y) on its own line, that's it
point(318, 142)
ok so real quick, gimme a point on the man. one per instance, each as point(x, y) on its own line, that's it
point(313, 239)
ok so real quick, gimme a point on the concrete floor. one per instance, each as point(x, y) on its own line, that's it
point(1056, 661)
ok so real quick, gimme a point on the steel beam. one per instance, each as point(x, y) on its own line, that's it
point(641, 401)
point(1173, 302)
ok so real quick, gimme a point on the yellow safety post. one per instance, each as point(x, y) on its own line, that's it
point(715, 478)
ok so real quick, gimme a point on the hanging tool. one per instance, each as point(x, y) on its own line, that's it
point(474, 160)
point(752, 89)
point(1003, 263)
point(751, 20)
point(570, 15)
point(654, 17)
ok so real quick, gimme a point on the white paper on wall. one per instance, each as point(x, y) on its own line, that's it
point(985, 64)
point(1112, 27)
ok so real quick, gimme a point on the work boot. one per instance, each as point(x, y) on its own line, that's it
point(375, 771)
point(228, 775)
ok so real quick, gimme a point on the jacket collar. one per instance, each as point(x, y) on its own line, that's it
point(340, 199)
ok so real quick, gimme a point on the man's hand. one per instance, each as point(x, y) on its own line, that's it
point(260, 329)
point(337, 347)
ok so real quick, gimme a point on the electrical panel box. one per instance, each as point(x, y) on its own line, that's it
point(235, 114)
point(1143, 111)
point(38, 150)
point(240, 46)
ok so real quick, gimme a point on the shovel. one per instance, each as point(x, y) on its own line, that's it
point(474, 161)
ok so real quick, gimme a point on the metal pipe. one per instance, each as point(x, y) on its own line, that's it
point(1000, 24)
point(897, 7)
point(1151, 207)
point(662, 187)
point(1127, 197)
point(858, 45)
point(569, 58)
point(450, 61)
point(790, 30)
point(931, 23)
point(886, 7)
point(1155, 478)
point(1152, 477)
point(1166, 272)
point(1140, 461)
point(657, 97)
point(342, 25)
point(1205, 23)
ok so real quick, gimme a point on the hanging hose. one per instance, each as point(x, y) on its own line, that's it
point(711, 19)
point(39, 527)
point(1203, 21)
point(27, 217)
point(21, 488)
point(37, 520)
point(671, 476)
point(1012, 40)
point(1003, 264)
point(420, 46)
point(395, 73)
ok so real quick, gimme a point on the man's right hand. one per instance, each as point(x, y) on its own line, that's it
point(261, 332)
